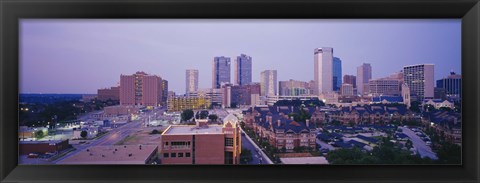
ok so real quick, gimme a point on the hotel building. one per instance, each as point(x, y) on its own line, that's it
point(323, 70)
point(202, 143)
point(384, 86)
point(419, 79)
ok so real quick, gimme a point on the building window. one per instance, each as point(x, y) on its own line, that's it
point(180, 155)
point(165, 155)
point(173, 155)
point(166, 143)
point(180, 145)
point(187, 155)
point(228, 141)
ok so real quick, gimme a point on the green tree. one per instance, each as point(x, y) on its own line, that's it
point(187, 114)
point(415, 106)
point(302, 116)
point(213, 117)
point(246, 156)
point(449, 154)
point(39, 134)
point(155, 131)
point(83, 134)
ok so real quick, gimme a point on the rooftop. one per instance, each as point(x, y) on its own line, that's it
point(116, 154)
point(193, 129)
point(305, 160)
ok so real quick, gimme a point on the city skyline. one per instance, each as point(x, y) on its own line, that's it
point(90, 58)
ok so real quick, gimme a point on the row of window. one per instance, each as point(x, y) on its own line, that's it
point(174, 155)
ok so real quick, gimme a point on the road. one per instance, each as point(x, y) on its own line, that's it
point(419, 144)
point(256, 155)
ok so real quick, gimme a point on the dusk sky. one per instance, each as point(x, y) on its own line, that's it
point(81, 56)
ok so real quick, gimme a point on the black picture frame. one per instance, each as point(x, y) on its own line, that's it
point(13, 10)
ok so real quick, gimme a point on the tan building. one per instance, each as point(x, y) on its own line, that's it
point(183, 103)
point(141, 89)
point(202, 143)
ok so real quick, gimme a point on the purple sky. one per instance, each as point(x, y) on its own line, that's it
point(81, 56)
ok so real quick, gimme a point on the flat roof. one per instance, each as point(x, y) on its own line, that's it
point(305, 160)
point(193, 129)
point(108, 155)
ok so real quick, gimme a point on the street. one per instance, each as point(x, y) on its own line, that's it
point(256, 155)
point(419, 144)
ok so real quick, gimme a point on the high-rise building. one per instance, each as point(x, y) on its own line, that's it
point(164, 92)
point(191, 81)
point(268, 82)
point(221, 71)
point(243, 70)
point(452, 86)
point(240, 94)
point(141, 89)
point(323, 70)
point(293, 88)
point(419, 78)
point(364, 73)
point(337, 73)
point(202, 143)
point(350, 79)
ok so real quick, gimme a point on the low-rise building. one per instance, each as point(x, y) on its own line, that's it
point(181, 103)
point(53, 146)
point(202, 143)
point(115, 154)
point(438, 103)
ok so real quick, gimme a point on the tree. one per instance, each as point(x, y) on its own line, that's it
point(39, 134)
point(415, 106)
point(302, 116)
point(213, 117)
point(187, 114)
point(246, 156)
point(155, 131)
point(449, 154)
point(409, 144)
point(83, 134)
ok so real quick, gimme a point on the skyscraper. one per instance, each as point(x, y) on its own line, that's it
point(323, 70)
point(164, 92)
point(141, 89)
point(191, 81)
point(452, 85)
point(221, 71)
point(419, 78)
point(337, 73)
point(350, 79)
point(268, 82)
point(243, 70)
point(364, 73)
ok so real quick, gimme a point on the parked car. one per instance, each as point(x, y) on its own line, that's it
point(428, 143)
point(32, 155)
